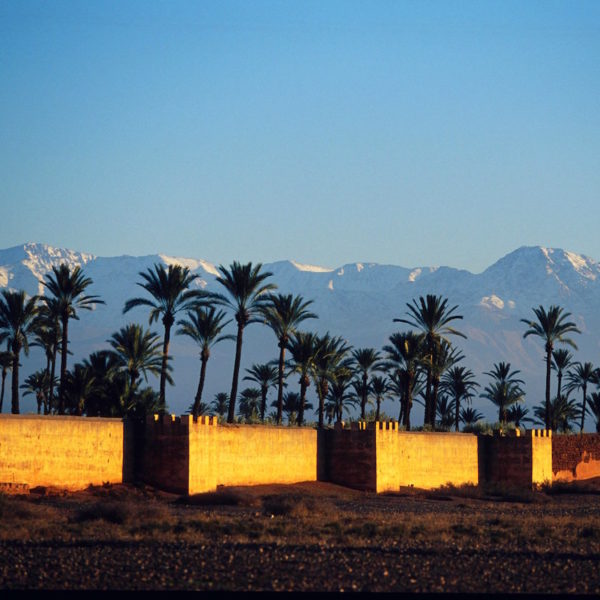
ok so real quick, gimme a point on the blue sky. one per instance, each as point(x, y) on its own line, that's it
point(410, 133)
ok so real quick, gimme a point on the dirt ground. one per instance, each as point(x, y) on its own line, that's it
point(307, 537)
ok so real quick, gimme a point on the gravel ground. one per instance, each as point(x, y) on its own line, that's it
point(405, 565)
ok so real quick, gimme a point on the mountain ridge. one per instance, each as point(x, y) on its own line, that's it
point(356, 300)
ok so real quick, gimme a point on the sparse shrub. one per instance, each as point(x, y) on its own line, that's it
point(112, 512)
point(288, 504)
point(479, 428)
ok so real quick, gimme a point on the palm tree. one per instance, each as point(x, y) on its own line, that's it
point(265, 375)
point(338, 395)
point(365, 360)
point(37, 383)
point(249, 403)
point(68, 287)
point(445, 412)
point(137, 352)
point(79, 388)
point(328, 364)
point(247, 290)
point(469, 416)
point(563, 413)
point(5, 363)
point(459, 384)
point(17, 323)
point(517, 414)
point(561, 360)
point(110, 393)
point(552, 328)
point(405, 354)
point(446, 357)
point(302, 351)
point(579, 378)
point(283, 313)
point(433, 318)
point(220, 403)
point(204, 326)
point(504, 390)
point(594, 408)
point(170, 293)
point(380, 386)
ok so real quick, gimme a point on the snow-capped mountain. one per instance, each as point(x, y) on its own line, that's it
point(358, 301)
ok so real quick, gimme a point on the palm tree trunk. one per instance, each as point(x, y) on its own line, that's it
point(52, 375)
point(434, 395)
point(63, 365)
point(548, 367)
point(4, 372)
point(198, 398)
point(280, 382)
point(583, 407)
point(163, 370)
point(377, 410)
point(236, 373)
point(303, 386)
point(363, 400)
point(15, 383)
point(321, 393)
point(457, 400)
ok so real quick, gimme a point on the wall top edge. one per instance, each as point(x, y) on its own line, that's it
point(80, 419)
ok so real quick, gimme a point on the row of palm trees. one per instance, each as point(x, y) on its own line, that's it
point(418, 365)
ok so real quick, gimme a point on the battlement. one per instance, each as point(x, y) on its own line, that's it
point(188, 456)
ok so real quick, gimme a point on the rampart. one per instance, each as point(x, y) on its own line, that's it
point(188, 456)
point(66, 452)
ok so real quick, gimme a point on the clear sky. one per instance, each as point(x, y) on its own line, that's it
point(403, 132)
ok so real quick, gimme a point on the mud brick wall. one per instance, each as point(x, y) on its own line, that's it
point(350, 458)
point(63, 451)
point(575, 457)
point(165, 457)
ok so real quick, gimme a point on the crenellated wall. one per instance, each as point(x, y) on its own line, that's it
point(187, 456)
point(66, 452)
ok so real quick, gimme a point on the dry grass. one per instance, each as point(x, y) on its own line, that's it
point(566, 519)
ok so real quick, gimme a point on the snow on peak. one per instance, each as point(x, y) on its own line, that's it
point(192, 264)
point(414, 274)
point(581, 265)
point(310, 268)
point(492, 301)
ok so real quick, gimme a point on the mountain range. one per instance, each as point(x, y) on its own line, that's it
point(357, 301)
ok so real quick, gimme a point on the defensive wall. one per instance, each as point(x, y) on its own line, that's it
point(188, 456)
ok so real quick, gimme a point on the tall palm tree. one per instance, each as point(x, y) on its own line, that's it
point(459, 383)
point(405, 354)
point(5, 364)
point(246, 296)
point(504, 390)
point(301, 346)
point(444, 411)
point(365, 361)
point(265, 375)
point(137, 352)
point(283, 313)
point(329, 363)
point(110, 393)
point(17, 324)
point(204, 325)
point(68, 286)
point(561, 361)
point(170, 293)
point(446, 357)
point(432, 316)
point(339, 398)
point(552, 328)
point(581, 375)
